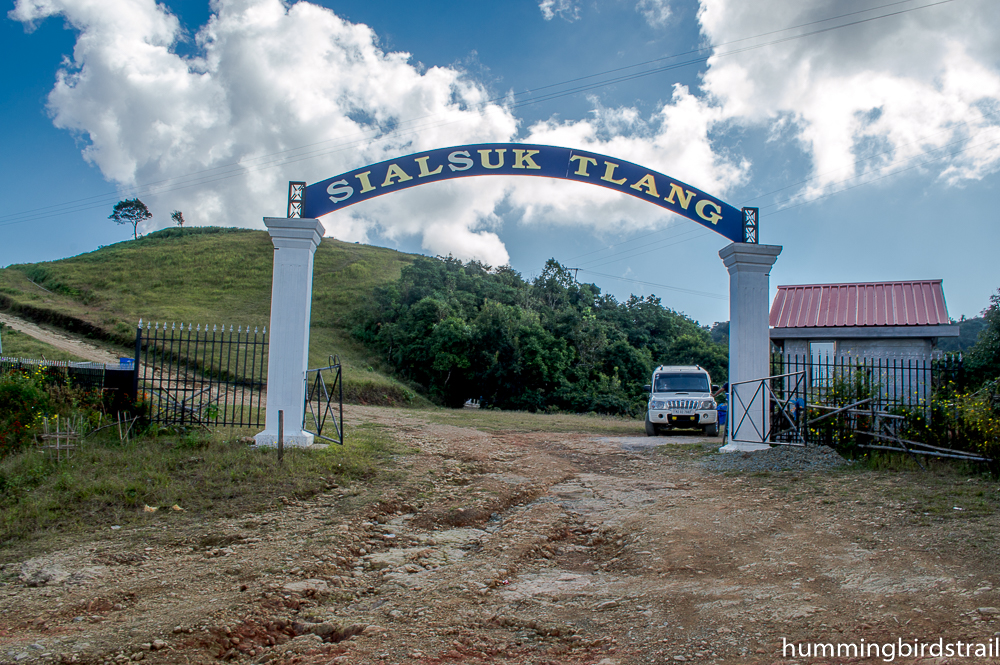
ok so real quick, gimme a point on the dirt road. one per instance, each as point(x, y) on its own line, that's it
point(59, 340)
point(500, 547)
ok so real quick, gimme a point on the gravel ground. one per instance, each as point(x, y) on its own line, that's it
point(778, 458)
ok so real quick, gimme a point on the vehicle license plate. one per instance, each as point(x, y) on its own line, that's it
point(683, 412)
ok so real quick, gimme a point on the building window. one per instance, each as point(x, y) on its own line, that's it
point(822, 360)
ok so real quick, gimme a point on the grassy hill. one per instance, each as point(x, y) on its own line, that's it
point(211, 276)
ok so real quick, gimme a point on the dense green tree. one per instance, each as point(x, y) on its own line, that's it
point(466, 330)
point(984, 357)
point(968, 335)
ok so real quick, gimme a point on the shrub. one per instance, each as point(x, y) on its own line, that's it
point(23, 403)
point(28, 397)
point(961, 421)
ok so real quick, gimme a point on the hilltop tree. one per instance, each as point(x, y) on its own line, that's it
point(130, 211)
point(178, 218)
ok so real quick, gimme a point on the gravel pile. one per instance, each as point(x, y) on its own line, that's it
point(778, 458)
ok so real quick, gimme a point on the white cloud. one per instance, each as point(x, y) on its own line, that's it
point(656, 12)
point(676, 141)
point(269, 78)
point(889, 89)
point(565, 9)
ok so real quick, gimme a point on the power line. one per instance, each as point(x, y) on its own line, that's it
point(632, 254)
point(705, 294)
point(241, 167)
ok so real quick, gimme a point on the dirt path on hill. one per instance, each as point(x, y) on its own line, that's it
point(59, 340)
point(500, 547)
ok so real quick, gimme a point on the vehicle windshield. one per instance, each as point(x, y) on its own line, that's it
point(687, 382)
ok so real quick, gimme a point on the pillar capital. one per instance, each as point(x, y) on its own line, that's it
point(298, 233)
point(741, 256)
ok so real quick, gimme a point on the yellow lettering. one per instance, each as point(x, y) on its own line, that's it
point(395, 172)
point(523, 159)
point(609, 174)
point(685, 201)
point(424, 171)
point(581, 168)
point(712, 217)
point(647, 183)
point(484, 157)
point(366, 185)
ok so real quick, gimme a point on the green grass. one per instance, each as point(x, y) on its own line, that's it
point(211, 276)
point(17, 344)
point(106, 482)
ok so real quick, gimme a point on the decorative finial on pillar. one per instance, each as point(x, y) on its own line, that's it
point(749, 225)
point(296, 199)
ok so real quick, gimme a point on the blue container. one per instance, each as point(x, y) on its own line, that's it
point(126, 363)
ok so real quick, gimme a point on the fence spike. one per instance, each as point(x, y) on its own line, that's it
point(265, 330)
point(255, 330)
point(215, 328)
point(140, 322)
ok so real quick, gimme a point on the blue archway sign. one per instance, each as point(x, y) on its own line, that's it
point(544, 161)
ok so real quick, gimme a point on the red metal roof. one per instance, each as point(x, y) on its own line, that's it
point(918, 303)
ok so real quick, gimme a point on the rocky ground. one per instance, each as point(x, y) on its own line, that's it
point(537, 547)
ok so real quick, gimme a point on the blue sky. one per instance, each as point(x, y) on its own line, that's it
point(867, 131)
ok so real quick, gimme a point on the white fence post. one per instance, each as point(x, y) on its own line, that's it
point(295, 242)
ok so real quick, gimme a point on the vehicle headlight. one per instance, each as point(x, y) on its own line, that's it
point(657, 404)
point(708, 404)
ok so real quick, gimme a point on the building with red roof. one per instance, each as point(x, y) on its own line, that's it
point(866, 319)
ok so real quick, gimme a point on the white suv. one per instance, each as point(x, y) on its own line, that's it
point(681, 396)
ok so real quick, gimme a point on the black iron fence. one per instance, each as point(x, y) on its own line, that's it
point(324, 408)
point(890, 383)
point(115, 381)
point(874, 403)
point(80, 374)
point(191, 375)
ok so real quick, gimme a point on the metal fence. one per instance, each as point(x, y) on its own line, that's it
point(190, 375)
point(324, 408)
point(891, 383)
point(80, 374)
point(859, 401)
point(115, 381)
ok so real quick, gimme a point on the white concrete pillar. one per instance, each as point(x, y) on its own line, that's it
point(295, 242)
point(749, 341)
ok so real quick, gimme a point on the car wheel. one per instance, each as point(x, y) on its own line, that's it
point(712, 430)
point(650, 427)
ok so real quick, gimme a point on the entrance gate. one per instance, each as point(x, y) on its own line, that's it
point(296, 237)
